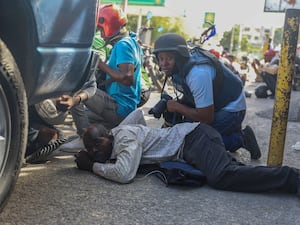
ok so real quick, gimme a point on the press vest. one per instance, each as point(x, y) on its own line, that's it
point(227, 86)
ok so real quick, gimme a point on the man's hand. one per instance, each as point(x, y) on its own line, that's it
point(66, 102)
point(172, 105)
point(83, 161)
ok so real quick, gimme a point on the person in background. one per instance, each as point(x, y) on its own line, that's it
point(268, 71)
point(224, 111)
point(215, 52)
point(121, 91)
point(117, 154)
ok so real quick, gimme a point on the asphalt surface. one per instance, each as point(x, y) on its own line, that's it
point(56, 192)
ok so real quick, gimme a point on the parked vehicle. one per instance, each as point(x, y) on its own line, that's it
point(44, 53)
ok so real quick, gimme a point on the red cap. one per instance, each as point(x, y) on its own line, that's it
point(270, 52)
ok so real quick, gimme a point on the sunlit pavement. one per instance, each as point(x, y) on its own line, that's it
point(58, 193)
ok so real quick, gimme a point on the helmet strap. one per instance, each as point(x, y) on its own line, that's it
point(117, 37)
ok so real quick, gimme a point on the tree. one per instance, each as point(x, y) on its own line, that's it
point(230, 42)
point(168, 24)
point(277, 37)
point(226, 40)
point(235, 44)
point(245, 45)
point(132, 22)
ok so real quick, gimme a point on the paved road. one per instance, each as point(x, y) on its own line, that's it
point(58, 193)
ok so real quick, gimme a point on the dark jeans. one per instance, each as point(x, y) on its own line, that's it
point(270, 80)
point(101, 108)
point(204, 149)
point(229, 125)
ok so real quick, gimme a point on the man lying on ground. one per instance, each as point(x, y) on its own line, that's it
point(116, 155)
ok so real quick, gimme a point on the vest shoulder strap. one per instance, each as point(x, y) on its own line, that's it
point(211, 59)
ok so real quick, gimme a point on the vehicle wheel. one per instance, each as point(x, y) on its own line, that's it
point(13, 123)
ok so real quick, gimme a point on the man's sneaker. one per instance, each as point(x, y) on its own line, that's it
point(42, 153)
point(250, 143)
point(70, 146)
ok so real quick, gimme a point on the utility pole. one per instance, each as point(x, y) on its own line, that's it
point(231, 40)
point(283, 87)
point(125, 3)
point(239, 49)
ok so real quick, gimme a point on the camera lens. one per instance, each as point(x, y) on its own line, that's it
point(159, 108)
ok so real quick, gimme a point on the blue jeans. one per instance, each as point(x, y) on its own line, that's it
point(229, 125)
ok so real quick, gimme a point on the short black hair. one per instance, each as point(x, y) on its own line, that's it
point(90, 137)
point(94, 132)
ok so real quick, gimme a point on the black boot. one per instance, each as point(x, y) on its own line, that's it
point(250, 143)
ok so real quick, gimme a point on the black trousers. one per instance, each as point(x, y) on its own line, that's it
point(204, 149)
point(270, 81)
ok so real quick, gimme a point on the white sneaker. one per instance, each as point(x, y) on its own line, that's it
point(75, 144)
point(296, 146)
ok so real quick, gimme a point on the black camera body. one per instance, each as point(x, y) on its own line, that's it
point(161, 106)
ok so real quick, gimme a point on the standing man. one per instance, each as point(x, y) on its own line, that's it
point(122, 90)
point(209, 97)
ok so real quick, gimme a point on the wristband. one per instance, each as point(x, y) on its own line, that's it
point(80, 99)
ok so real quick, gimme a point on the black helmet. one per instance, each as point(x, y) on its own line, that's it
point(171, 42)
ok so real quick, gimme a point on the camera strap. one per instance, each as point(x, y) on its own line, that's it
point(165, 81)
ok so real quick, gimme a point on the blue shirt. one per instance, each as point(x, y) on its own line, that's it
point(126, 50)
point(200, 82)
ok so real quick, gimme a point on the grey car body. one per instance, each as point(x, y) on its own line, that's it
point(44, 52)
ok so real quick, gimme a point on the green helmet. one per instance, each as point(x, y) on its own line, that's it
point(171, 42)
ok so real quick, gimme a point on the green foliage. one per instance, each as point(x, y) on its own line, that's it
point(236, 30)
point(255, 50)
point(226, 40)
point(230, 42)
point(245, 45)
point(277, 36)
point(168, 24)
point(132, 22)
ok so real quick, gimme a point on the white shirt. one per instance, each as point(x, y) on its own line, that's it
point(137, 144)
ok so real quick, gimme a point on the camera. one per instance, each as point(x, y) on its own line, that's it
point(61, 107)
point(161, 106)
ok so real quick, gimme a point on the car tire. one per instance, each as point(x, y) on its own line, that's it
point(13, 123)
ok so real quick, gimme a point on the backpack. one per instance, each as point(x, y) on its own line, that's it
point(176, 173)
point(261, 91)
